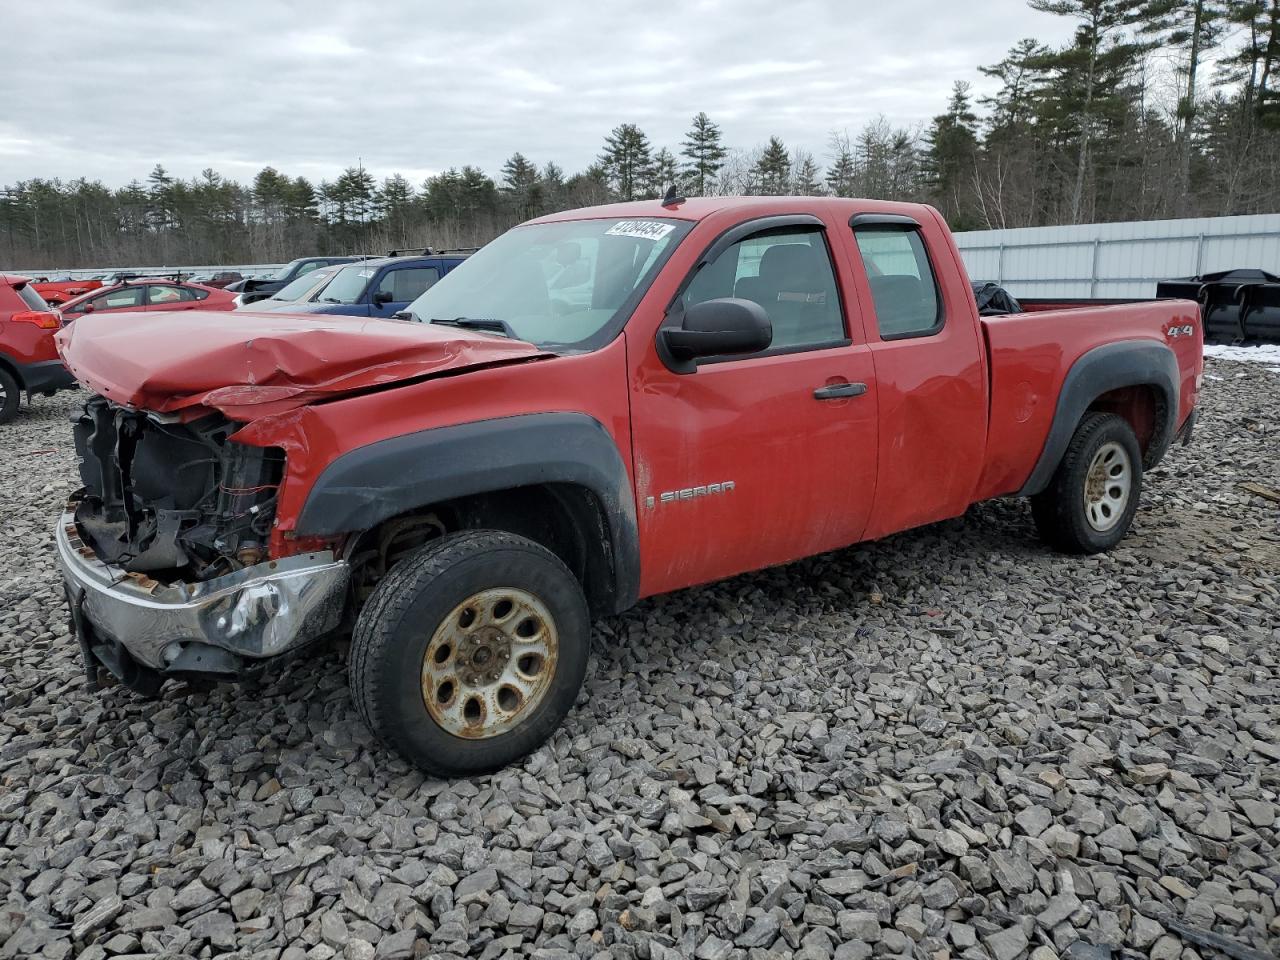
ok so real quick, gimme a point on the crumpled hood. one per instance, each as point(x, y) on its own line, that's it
point(250, 365)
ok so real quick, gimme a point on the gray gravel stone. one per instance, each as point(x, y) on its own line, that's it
point(950, 741)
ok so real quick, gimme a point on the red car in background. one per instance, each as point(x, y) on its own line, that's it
point(29, 361)
point(220, 279)
point(58, 292)
point(150, 294)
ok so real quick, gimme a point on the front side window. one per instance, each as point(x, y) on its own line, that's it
point(902, 282)
point(408, 283)
point(787, 272)
point(567, 285)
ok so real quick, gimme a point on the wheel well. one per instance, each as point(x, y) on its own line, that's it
point(1143, 406)
point(566, 518)
point(10, 369)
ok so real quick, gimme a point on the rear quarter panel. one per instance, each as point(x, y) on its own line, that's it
point(1031, 354)
point(22, 342)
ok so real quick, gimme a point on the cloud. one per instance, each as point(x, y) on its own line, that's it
point(311, 88)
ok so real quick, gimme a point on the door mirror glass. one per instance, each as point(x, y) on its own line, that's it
point(722, 327)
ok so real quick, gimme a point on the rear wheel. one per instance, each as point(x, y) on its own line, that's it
point(470, 652)
point(10, 394)
point(1090, 502)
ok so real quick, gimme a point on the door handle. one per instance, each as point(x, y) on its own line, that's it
point(838, 391)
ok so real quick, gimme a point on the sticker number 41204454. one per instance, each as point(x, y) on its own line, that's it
point(640, 229)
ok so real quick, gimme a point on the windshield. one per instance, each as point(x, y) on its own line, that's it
point(347, 286)
point(284, 271)
point(556, 284)
point(298, 288)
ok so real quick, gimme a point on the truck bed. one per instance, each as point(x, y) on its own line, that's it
point(1030, 354)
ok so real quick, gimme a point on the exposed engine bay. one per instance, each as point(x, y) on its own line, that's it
point(173, 500)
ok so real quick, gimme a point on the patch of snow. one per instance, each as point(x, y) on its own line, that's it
point(1264, 353)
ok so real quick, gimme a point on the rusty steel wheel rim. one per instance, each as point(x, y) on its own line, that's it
point(490, 663)
point(1107, 486)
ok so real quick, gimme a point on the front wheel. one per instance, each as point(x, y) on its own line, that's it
point(470, 652)
point(1090, 502)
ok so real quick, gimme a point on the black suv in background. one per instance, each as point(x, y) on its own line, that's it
point(251, 291)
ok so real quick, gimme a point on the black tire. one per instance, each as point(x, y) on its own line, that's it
point(397, 625)
point(1063, 511)
point(10, 395)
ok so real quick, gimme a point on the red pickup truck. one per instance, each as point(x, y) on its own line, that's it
point(599, 406)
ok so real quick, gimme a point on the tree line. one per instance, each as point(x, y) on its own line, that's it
point(1154, 109)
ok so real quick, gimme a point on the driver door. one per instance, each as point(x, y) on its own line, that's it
point(751, 461)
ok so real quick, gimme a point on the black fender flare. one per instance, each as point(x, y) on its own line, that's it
point(1125, 363)
point(366, 486)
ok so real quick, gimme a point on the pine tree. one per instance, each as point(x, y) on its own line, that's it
point(1255, 66)
point(1022, 75)
point(160, 210)
point(398, 203)
point(806, 178)
point(772, 172)
point(951, 150)
point(626, 160)
point(663, 174)
point(522, 184)
point(1194, 27)
point(1099, 21)
point(842, 172)
point(705, 154)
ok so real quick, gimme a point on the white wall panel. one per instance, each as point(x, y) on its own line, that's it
point(1118, 259)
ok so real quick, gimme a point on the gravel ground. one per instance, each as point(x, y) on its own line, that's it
point(948, 744)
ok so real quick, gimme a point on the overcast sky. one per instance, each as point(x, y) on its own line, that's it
point(108, 88)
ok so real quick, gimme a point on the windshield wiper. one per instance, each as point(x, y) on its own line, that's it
point(487, 324)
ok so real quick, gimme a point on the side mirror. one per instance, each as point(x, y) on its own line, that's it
point(381, 297)
point(716, 328)
point(87, 308)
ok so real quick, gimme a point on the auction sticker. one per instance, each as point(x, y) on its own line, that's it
point(640, 229)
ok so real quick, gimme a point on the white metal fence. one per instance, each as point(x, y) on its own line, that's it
point(247, 269)
point(1118, 259)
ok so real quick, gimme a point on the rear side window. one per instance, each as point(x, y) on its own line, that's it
point(902, 282)
point(788, 273)
point(409, 283)
point(160, 294)
point(116, 299)
point(31, 298)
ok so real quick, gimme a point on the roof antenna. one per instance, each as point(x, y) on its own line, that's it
point(673, 197)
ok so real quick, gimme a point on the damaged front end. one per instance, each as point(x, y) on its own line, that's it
point(171, 499)
point(164, 551)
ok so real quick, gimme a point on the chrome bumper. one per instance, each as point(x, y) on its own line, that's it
point(257, 612)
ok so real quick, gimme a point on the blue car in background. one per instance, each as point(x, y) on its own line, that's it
point(379, 288)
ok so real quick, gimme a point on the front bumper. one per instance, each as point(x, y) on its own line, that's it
point(209, 627)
